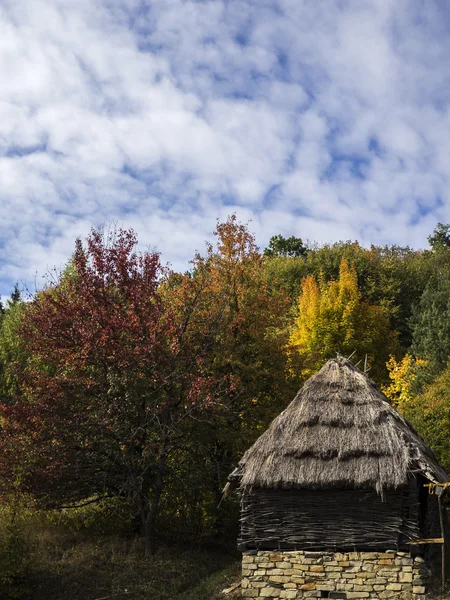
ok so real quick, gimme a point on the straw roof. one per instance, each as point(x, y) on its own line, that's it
point(339, 432)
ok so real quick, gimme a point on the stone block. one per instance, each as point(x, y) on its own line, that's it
point(279, 579)
point(418, 589)
point(405, 577)
point(269, 592)
point(344, 587)
point(366, 575)
point(325, 587)
point(283, 565)
point(363, 588)
point(355, 563)
point(307, 586)
point(368, 555)
point(317, 569)
point(288, 594)
point(273, 557)
point(250, 593)
point(246, 558)
point(358, 595)
point(311, 561)
point(340, 556)
point(394, 587)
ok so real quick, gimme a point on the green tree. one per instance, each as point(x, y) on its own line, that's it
point(429, 412)
point(440, 238)
point(430, 325)
point(288, 247)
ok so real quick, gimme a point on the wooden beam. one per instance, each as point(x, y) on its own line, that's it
point(429, 541)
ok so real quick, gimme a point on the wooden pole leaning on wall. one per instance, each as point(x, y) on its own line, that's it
point(441, 520)
point(439, 489)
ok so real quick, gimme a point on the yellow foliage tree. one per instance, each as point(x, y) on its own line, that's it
point(402, 374)
point(332, 318)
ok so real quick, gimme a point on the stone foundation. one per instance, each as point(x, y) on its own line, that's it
point(357, 575)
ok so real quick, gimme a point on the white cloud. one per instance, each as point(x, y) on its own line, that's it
point(322, 120)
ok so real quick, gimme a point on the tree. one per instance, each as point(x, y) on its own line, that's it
point(333, 318)
point(403, 375)
point(430, 324)
point(288, 247)
point(251, 350)
point(429, 412)
point(440, 238)
point(114, 370)
point(132, 371)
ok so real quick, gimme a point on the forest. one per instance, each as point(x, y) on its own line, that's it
point(129, 392)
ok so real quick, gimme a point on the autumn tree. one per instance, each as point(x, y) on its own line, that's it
point(332, 317)
point(403, 375)
point(250, 351)
point(131, 371)
point(113, 372)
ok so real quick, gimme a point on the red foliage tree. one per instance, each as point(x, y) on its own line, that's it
point(117, 362)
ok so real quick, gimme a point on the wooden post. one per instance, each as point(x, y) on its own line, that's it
point(441, 520)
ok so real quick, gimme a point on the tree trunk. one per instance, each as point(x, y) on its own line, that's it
point(150, 522)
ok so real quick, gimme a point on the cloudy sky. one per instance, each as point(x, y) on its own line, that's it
point(324, 120)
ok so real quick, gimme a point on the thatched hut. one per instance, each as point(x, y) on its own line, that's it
point(338, 470)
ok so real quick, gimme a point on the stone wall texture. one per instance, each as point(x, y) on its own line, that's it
point(279, 575)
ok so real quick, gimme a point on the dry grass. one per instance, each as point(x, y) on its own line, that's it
point(86, 567)
point(71, 557)
point(339, 431)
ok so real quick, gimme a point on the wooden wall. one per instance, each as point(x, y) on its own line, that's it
point(327, 520)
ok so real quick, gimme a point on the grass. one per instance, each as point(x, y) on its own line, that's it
point(65, 558)
point(113, 567)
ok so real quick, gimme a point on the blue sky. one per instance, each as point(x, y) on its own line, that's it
point(324, 120)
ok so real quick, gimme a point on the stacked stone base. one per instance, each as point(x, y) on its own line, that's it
point(357, 575)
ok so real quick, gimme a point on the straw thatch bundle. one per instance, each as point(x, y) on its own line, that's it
point(339, 432)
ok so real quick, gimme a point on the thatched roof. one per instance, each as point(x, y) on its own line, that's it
point(339, 432)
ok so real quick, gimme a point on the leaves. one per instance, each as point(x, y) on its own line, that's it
point(332, 318)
